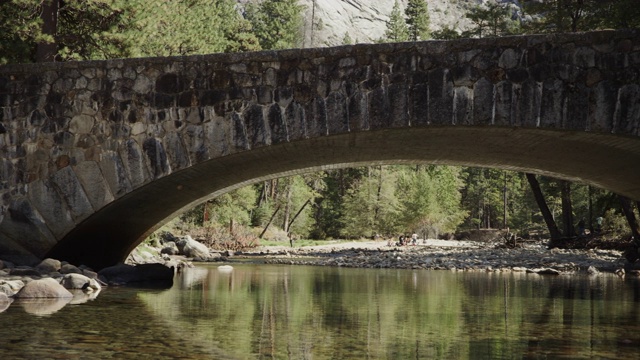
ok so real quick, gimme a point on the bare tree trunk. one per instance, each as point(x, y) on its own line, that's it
point(263, 194)
point(544, 209)
point(504, 202)
point(567, 209)
point(270, 220)
point(590, 209)
point(298, 213)
point(287, 208)
point(378, 195)
point(627, 209)
point(45, 51)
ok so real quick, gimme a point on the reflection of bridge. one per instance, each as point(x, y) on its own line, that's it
point(96, 155)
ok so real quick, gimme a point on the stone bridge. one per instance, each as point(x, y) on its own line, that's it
point(96, 155)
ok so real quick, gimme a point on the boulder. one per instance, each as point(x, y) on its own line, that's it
point(24, 271)
point(43, 288)
point(166, 237)
point(70, 269)
point(124, 273)
point(4, 264)
point(78, 281)
point(5, 301)
point(90, 273)
point(192, 248)
point(11, 287)
point(591, 270)
point(170, 248)
point(49, 265)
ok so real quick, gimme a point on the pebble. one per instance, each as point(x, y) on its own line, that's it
point(534, 258)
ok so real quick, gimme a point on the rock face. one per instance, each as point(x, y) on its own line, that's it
point(366, 20)
point(43, 288)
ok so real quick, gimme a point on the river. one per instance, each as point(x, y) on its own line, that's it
point(303, 312)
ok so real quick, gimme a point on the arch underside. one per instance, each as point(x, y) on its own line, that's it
point(605, 161)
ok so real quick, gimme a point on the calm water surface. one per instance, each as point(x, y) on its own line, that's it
point(293, 312)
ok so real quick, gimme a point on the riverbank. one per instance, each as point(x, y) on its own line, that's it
point(451, 255)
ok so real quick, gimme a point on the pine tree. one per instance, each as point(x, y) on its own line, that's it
point(492, 20)
point(418, 21)
point(347, 40)
point(582, 15)
point(62, 30)
point(277, 23)
point(397, 30)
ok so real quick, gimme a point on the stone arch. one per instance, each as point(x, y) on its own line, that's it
point(111, 233)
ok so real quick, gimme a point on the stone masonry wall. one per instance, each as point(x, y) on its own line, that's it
point(76, 136)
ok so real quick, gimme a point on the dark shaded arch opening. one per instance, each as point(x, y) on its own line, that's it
point(109, 235)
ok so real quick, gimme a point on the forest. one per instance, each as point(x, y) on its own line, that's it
point(350, 203)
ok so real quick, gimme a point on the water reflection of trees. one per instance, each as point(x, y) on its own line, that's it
point(298, 312)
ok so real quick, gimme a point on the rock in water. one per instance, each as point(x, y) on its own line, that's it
point(5, 301)
point(49, 265)
point(77, 281)
point(43, 288)
point(192, 248)
point(150, 273)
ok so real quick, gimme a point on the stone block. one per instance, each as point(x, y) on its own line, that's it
point(483, 102)
point(337, 113)
point(44, 196)
point(72, 193)
point(92, 180)
point(115, 173)
point(134, 163)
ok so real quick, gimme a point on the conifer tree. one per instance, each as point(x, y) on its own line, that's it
point(32, 30)
point(418, 21)
point(397, 30)
point(492, 20)
point(277, 23)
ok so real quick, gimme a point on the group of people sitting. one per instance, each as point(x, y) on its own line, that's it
point(405, 240)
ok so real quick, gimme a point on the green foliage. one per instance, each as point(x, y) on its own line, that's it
point(91, 29)
point(19, 31)
point(418, 20)
point(347, 40)
point(277, 23)
point(87, 29)
point(397, 30)
point(581, 15)
point(371, 206)
point(615, 225)
point(233, 206)
point(446, 33)
point(188, 27)
point(490, 21)
point(430, 198)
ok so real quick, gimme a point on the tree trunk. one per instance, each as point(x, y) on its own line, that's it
point(287, 208)
point(544, 209)
point(567, 209)
point(590, 209)
point(504, 202)
point(298, 213)
point(627, 209)
point(45, 51)
point(376, 213)
point(269, 223)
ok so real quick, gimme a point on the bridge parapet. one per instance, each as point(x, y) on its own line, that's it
point(77, 136)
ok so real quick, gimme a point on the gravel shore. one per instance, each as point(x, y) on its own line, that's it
point(454, 255)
